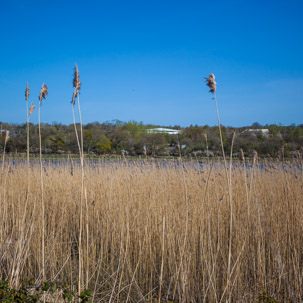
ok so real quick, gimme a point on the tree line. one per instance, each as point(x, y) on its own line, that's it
point(133, 138)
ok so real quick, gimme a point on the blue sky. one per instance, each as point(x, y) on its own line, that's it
point(145, 60)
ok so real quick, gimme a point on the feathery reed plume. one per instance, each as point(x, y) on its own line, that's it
point(43, 93)
point(76, 84)
point(211, 83)
point(31, 109)
point(26, 92)
point(7, 136)
point(242, 157)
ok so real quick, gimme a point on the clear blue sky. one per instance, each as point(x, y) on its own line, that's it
point(145, 60)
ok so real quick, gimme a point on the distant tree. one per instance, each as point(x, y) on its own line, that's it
point(256, 125)
point(104, 146)
point(88, 140)
point(155, 143)
point(57, 143)
point(135, 129)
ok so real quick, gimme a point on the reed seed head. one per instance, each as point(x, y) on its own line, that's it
point(76, 84)
point(242, 158)
point(7, 136)
point(211, 83)
point(31, 109)
point(43, 93)
point(255, 155)
point(27, 92)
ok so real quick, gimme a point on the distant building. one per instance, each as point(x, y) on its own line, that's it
point(161, 130)
point(257, 131)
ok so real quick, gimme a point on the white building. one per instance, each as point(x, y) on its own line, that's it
point(257, 131)
point(161, 130)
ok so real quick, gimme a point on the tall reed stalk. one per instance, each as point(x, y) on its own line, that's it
point(29, 111)
point(206, 143)
point(27, 129)
point(7, 137)
point(211, 83)
point(43, 94)
point(77, 86)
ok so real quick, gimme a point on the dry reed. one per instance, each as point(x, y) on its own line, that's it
point(42, 95)
point(27, 125)
point(140, 249)
point(77, 86)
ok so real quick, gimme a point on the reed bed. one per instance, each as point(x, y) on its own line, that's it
point(156, 234)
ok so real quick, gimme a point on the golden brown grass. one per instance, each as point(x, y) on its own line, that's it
point(157, 234)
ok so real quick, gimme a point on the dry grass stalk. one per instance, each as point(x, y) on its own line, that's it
point(7, 136)
point(242, 157)
point(43, 94)
point(77, 86)
point(28, 113)
point(211, 83)
point(255, 156)
point(206, 143)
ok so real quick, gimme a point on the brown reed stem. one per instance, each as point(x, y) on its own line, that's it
point(77, 85)
point(27, 142)
point(206, 142)
point(84, 190)
point(81, 211)
point(42, 196)
point(162, 259)
point(230, 200)
point(3, 158)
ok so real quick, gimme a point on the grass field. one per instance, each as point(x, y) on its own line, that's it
point(153, 234)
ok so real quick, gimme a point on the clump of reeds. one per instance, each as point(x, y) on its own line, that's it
point(138, 241)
